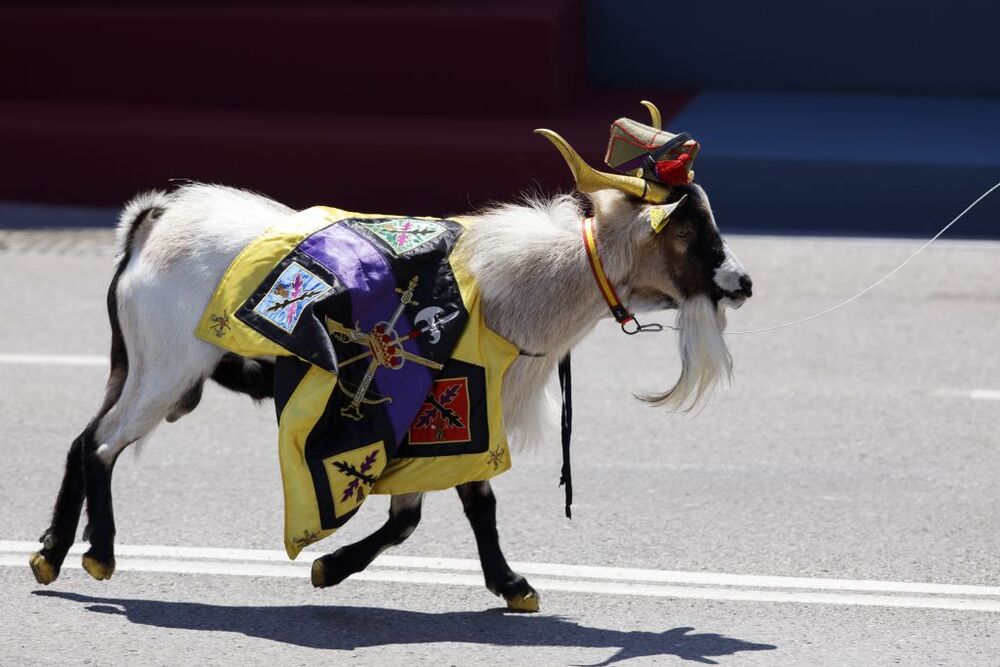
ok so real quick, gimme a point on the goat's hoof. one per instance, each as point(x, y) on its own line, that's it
point(523, 602)
point(44, 571)
point(97, 569)
point(518, 594)
point(318, 574)
point(331, 569)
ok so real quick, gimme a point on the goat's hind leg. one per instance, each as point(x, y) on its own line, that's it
point(404, 515)
point(481, 509)
point(144, 405)
point(58, 537)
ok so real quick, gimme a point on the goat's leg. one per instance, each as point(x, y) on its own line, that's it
point(481, 509)
point(59, 536)
point(148, 398)
point(92, 456)
point(404, 515)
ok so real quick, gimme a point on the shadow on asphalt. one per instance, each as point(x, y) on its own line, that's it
point(349, 628)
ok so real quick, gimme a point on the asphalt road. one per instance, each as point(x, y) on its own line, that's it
point(861, 448)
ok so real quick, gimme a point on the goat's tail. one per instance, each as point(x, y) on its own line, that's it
point(146, 205)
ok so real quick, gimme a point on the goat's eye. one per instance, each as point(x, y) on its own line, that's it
point(683, 233)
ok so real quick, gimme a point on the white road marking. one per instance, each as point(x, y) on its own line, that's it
point(550, 577)
point(975, 394)
point(54, 359)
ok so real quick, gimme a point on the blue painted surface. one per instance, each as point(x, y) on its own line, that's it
point(848, 164)
point(18, 215)
point(886, 46)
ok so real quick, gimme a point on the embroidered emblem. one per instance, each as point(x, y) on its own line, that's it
point(307, 538)
point(431, 319)
point(404, 234)
point(353, 474)
point(444, 418)
point(220, 325)
point(385, 347)
point(287, 299)
point(496, 457)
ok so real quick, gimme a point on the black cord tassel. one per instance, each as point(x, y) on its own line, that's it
point(566, 388)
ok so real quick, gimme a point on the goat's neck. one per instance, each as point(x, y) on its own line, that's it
point(541, 294)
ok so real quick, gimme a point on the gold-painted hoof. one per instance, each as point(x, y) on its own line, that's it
point(527, 602)
point(97, 569)
point(318, 574)
point(44, 571)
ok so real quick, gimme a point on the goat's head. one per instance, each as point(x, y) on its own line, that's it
point(686, 259)
point(687, 265)
point(671, 255)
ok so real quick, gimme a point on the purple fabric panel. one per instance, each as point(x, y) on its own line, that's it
point(372, 288)
point(634, 163)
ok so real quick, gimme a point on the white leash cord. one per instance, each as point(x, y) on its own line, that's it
point(878, 282)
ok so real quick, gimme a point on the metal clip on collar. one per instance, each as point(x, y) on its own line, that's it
point(640, 328)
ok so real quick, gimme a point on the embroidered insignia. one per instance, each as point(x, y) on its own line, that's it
point(404, 234)
point(287, 299)
point(496, 457)
point(444, 417)
point(220, 325)
point(385, 347)
point(307, 538)
point(353, 474)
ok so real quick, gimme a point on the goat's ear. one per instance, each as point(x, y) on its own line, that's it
point(615, 208)
point(659, 216)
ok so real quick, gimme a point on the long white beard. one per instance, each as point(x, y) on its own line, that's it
point(705, 359)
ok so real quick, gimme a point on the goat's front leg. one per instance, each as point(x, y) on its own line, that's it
point(404, 515)
point(481, 508)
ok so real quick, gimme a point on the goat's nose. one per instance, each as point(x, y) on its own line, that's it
point(746, 286)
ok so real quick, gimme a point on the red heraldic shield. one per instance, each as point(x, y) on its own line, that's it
point(444, 417)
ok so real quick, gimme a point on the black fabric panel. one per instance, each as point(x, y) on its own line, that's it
point(288, 373)
point(309, 339)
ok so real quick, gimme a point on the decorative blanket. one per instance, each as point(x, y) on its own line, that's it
point(387, 380)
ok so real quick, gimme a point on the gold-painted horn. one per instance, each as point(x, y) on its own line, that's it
point(654, 114)
point(589, 179)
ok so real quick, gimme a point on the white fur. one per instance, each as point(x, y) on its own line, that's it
point(178, 259)
point(705, 359)
point(727, 275)
point(529, 261)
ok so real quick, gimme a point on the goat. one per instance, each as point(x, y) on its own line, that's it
point(173, 248)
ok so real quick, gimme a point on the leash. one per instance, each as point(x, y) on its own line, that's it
point(877, 282)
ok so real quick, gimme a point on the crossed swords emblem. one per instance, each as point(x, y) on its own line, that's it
point(385, 347)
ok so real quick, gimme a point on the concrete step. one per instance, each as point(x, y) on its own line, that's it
point(510, 57)
point(100, 154)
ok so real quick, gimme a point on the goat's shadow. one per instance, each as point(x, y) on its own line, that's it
point(349, 628)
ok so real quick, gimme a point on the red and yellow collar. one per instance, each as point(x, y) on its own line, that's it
point(619, 310)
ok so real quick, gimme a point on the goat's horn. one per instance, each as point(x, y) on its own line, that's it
point(654, 114)
point(589, 179)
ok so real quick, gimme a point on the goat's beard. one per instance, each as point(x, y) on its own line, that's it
point(705, 359)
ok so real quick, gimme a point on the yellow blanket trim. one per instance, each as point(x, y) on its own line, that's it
point(304, 408)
